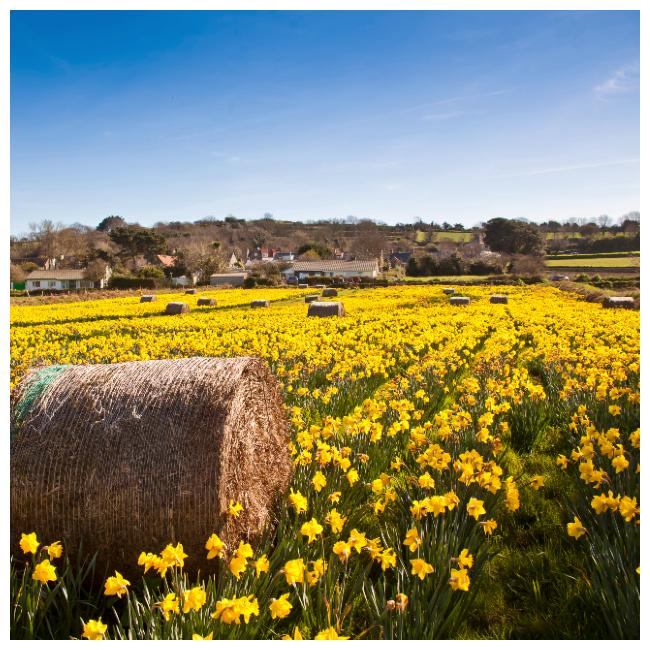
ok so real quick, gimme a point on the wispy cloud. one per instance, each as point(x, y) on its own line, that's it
point(623, 80)
point(459, 98)
point(571, 168)
point(444, 116)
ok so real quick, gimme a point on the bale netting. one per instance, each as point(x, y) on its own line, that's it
point(459, 300)
point(174, 308)
point(128, 457)
point(622, 302)
point(147, 298)
point(499, 299)
point(206, 301)
point(258, 304)
point(330, 292)
point(324, 309)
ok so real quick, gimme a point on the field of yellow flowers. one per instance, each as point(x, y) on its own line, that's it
point(460, 472)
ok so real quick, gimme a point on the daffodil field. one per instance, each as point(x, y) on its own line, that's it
point(460, 472)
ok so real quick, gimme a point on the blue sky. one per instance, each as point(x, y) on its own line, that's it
point(457, 116)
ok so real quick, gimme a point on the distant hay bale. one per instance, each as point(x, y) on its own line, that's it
point(324, 309)
point(206, 301)
point(177, 308)
point(319, 286)
point(147, 298)
point(303, 285)
point(121, 458)
point(499, 299)
point(257, 304)
point(330, 292)
point(190, 292)
point(559, 278)
point(449, 291)
point(459, 300)
point(623, 302)
point(312, 297)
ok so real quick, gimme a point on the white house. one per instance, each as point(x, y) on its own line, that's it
point(334, 268)
point(63, 279)
point(184, 280)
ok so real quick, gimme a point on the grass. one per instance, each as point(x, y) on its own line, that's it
point(595, 262)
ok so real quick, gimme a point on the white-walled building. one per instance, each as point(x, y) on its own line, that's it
point(334, 268)
point(63, 280)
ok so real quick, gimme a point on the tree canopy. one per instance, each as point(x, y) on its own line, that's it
point(513, 237)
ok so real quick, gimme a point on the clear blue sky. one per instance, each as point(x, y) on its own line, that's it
point(458, 116)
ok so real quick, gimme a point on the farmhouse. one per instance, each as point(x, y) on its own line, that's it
point(346, 269)
point(232, 279)
point(63, 279)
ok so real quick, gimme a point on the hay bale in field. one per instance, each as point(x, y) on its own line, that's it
point(303, 285)
point(312, 297)
point(499, 299)
point(147, 298)
point(559, 278)
point(459, 300)
point(206, 301)
point(132, 456)
point(624, 302)
point(449, 291)
point(319, 286)
point(258, 304)
point(190, 292)
point(330, 292)
point(324, 309)
point(177, 308)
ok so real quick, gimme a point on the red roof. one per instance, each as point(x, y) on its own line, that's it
point(167, 260)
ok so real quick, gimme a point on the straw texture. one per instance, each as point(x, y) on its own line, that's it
point(257, 304)
point(147, 298)
point(324, 309)
point(132, 456)
point(177, 308)
point(499, 299)
point(459, 300)
point(206, 301)
point(330, 293)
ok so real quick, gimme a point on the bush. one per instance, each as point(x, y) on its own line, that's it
point(484, 267)
point(583, 277)
point(151, 272)
point(123, 282)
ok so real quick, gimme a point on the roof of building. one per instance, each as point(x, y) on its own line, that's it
point(57, 274)
point(229, 275)
point(332, 266)
point(166, 260)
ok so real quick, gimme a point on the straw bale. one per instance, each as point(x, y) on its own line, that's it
point(177, 308)
point(312, 297)
point(121, 458)
point(147, 298)
point(323, 309)
point(257, 304)
point(206, 301)
point(499, 299)
point(625, 302)
point(190, 292)
point(449, 291)
point(330, 293)
point(303, 285)
point(459, 300)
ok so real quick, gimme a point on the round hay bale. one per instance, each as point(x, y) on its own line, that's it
point(330, 293)
point(147, 298)
point(190, 292)
point(459, 300)
point(324, 309)
point(177, 308)
point(312, 297)
point(206, 301)
point(499, 299)
point(258, 304)
point(623, 302)
point(559, 278)
point(303, 285)
point(129, 457)
point(449, 291)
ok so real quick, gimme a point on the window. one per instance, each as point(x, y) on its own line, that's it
point(36, 284)
point(52, 284)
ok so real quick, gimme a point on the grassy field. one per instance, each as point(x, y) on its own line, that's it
point(595, 262)
point(460, 472)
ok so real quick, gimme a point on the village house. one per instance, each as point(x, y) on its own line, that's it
point(63, 280)
point(230, 279)
point(333, 268)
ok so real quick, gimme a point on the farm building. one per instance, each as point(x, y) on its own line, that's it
point(185, 280)
point(63, 280)
point(332, 268)
point(232, 279)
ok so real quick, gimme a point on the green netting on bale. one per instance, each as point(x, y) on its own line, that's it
point(37, 384)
